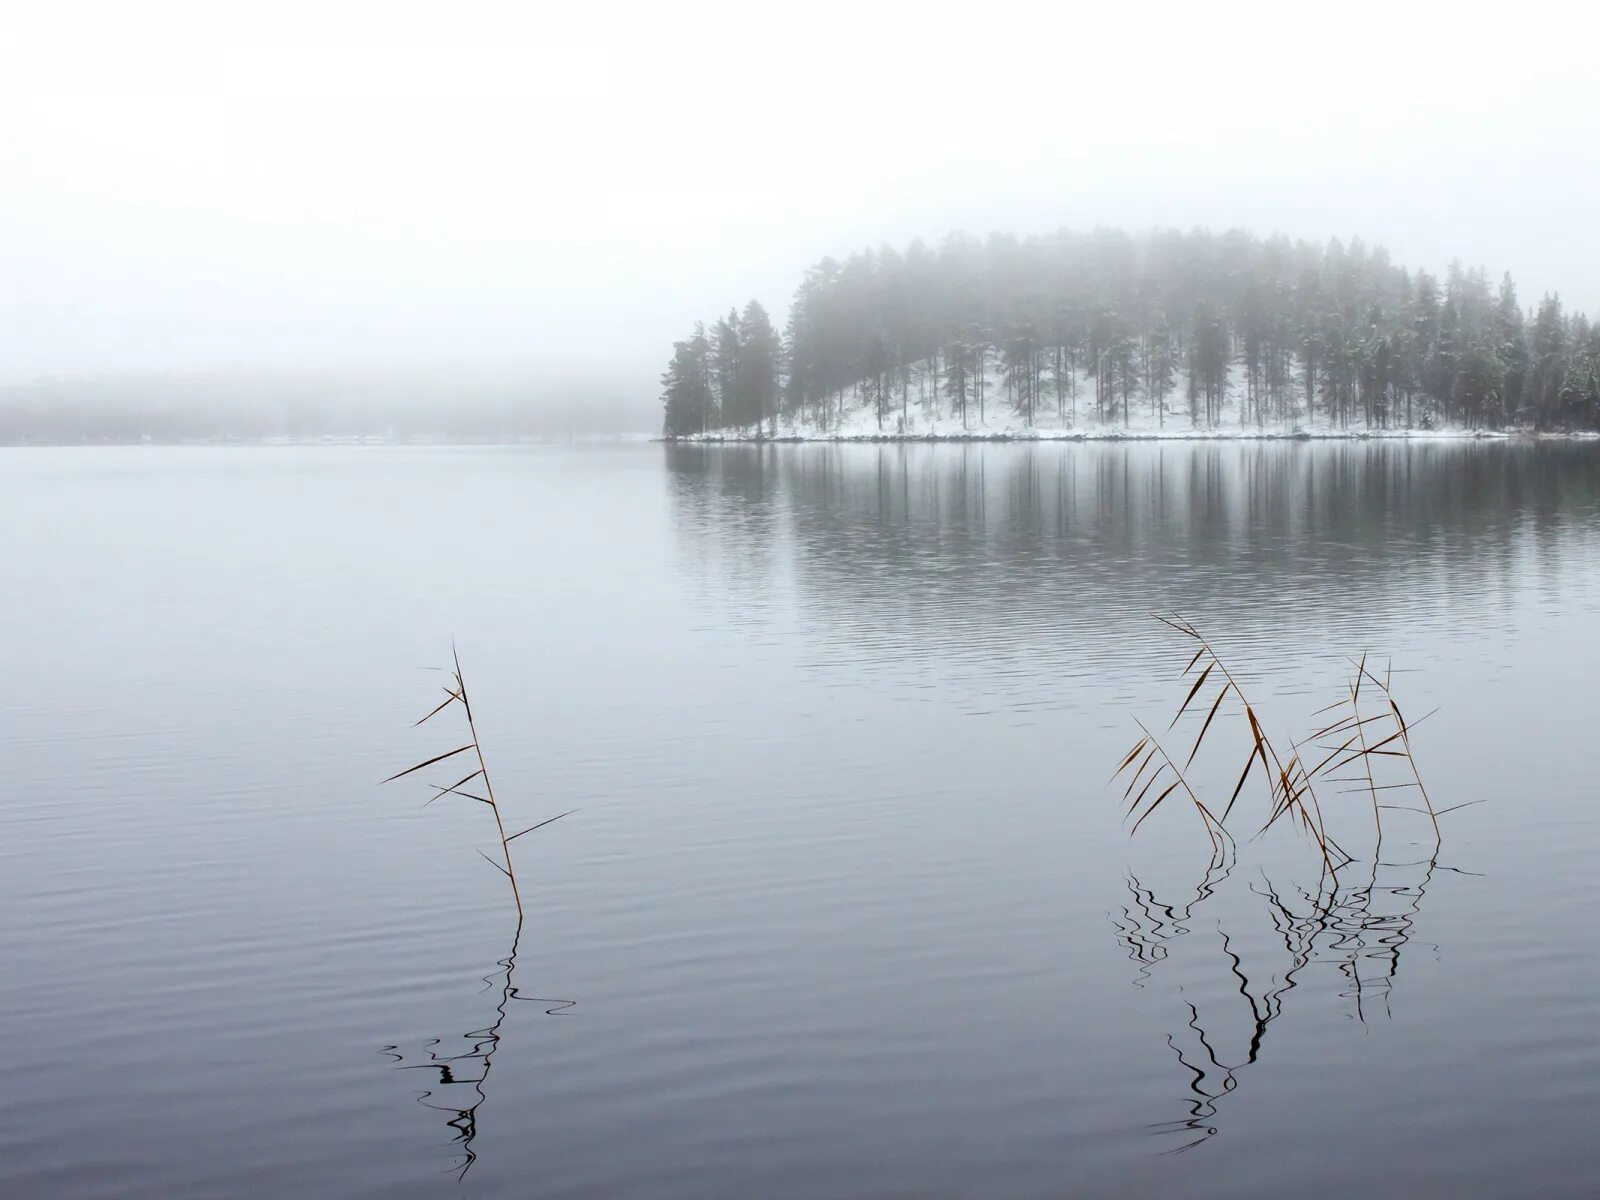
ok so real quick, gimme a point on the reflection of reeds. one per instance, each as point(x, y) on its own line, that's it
point(470, 1070)
point(456, 693)
point(1359, 929)
point(1361, 741)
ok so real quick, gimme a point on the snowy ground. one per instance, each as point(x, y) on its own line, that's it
point(933, 422)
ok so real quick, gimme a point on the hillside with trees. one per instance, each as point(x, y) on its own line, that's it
point(1107, 330)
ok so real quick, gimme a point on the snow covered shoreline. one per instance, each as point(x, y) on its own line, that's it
point(1132, 435)
point(1171, 433)
point(916, 419)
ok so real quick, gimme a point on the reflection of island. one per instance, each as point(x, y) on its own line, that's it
point(465, 1075)
point(1054, 554)
point(1357, 928)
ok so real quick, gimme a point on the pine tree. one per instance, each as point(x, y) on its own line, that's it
point(686, 391)
point(756, 368)
point(725, 370)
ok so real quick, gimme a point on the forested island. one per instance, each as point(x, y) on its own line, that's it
point(1108, 332)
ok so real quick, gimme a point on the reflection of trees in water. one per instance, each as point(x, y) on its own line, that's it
point(1354, 931)
point(1056, 552)
point(460, 1079)
point(1052, 527)
point(733, 519)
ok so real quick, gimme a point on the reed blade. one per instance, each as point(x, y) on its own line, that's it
point(541, 824)
point(1137, 775)
point(1137, 800)
point(495, 865)
point(1211, 716)
point(1187, 700)
point(1155, 804)
point(1131, 755)
point(454, 789)
point(453, 697)
point(429, 762)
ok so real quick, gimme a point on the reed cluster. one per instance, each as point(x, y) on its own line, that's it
point(1365, 747)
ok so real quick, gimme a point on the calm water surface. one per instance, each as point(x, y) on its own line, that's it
point(848, 909)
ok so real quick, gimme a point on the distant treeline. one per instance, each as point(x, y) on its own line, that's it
point(1176, 324)
point(431, 404)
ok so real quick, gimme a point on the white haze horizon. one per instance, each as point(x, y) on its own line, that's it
point(377, 188)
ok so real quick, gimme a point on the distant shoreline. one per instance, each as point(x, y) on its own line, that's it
point(330, 442)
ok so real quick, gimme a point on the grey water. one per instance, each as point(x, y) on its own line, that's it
point(848, 908)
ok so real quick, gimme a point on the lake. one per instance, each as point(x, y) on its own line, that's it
point(848, 907)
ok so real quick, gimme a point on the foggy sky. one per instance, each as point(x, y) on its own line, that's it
point(374, 185)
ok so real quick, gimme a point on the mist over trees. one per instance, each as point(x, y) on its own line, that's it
point(1196, 329)
point(728, 376)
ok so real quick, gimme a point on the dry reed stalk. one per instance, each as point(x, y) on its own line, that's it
point(1393, 744)
point(456, 693)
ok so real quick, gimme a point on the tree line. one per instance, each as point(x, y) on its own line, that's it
point(1195, 328)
